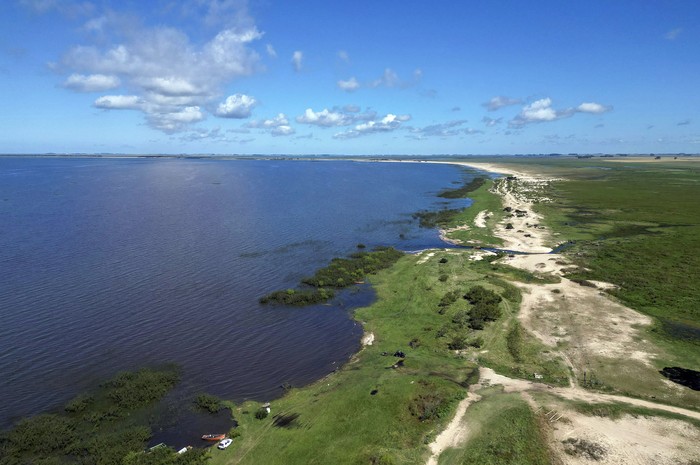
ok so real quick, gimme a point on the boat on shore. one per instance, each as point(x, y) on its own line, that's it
point(213, 437)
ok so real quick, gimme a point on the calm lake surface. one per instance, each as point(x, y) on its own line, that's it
point(113, 264)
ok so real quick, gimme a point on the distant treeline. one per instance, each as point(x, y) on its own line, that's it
point(109, 427)
point(463, 191)
point(340, 273)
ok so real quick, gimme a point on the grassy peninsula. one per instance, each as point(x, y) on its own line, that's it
point(340, 273)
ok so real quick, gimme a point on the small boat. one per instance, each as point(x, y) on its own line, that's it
point(213, 437)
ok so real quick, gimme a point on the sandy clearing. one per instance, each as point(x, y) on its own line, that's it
point(480, 220)
point(425, 257)
point(456, 432)
point(563, 312)
point(488, 377)
point(368, 339)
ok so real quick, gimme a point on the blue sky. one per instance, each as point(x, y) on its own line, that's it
point(364, 77)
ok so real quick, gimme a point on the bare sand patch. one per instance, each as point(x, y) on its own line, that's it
point(480, 219)
point(424, 257)
point(456, 432)
point(628, 440)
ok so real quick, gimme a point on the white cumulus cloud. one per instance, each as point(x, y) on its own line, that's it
point(236, 106)
point(171, 78)
point(388, 123)
point(91, 83)
point(177, 120)
point(592, 107)
point(325, 118)
point(119, 102)
point(277, 126)
point(541, 111)
point(350, 85)
point(500, 101)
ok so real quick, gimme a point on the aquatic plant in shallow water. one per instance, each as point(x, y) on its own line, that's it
point(340, 273)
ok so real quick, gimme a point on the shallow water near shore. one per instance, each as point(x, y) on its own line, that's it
point(110, 265)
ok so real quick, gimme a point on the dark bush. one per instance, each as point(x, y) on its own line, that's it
point(514, 342)
point(208, 402)
point(342, 272)
point(43, 434)
point(463, 191)
point(298, 297)
point(458, 342)
point(461, 318)
point(430, 405)
point(448, 299)
point(261, 413)
point(443, 278)
point(135, 389)
point(79, 404)
point(481, 295)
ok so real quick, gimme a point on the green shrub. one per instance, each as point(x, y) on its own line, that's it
point(481, 295)
point(131, 390)
point(79, 404)
point(298, 297)
point(463, 191)
point(448, 299)
point(208, 402)
point(261, 413)
point(514, 342)
point(42, 434)
point(458, 342)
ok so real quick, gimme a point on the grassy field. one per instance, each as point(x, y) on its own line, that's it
point(637, 225)
point(483, 200)
point(503, 430)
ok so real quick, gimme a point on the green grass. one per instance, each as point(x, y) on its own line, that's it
point(482, 199)
point(337, 419)
point(503, 431)
point(637, 226)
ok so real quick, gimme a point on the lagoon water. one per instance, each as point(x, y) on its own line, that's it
point(112, 264)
